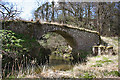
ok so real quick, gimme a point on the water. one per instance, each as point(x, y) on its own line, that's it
point(56, 63)
point(59, 63)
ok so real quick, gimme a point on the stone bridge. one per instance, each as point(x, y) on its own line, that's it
point(77, 38)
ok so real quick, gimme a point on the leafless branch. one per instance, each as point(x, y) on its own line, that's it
point(10, 12)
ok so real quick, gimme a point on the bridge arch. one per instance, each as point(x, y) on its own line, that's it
point(69, 39)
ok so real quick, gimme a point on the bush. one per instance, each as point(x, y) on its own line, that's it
point(11, 47)
point(19, 50)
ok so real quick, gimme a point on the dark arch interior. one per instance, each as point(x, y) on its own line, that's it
point(67, 37)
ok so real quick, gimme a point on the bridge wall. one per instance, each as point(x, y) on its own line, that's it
point(79, 39)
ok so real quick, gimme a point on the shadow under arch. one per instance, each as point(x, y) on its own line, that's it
point(71, 41)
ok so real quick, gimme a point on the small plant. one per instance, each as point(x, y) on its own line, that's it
point(87, 75)
point(103, 61)
point(12, 77)
point(114, 73)
point(97, 65)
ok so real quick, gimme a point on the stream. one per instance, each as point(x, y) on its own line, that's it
point(59, 63)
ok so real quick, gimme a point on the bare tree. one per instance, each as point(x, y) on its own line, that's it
point(8, 11)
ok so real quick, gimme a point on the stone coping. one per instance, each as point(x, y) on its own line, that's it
point(55, 24)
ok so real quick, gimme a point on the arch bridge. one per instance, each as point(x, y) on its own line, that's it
point(77, 38)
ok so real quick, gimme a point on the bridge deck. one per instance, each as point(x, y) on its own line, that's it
point(56, 24)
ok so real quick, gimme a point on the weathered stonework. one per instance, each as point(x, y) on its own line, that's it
point(78, 38)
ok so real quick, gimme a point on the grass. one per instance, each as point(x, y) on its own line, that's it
point(87, 75)
point(101, 66)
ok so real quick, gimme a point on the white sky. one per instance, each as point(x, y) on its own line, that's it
point(27, 6)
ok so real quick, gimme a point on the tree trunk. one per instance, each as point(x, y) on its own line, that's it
point(47, 11)
point(52, 18)
point(42, 14)
point(88, 13)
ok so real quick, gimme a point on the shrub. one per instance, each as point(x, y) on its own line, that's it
point(19, 50)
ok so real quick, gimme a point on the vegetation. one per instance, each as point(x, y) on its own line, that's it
point(24, 57)
point(18, 52)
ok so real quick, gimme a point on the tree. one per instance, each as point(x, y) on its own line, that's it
point(8, 11)
point(101, 16)
point(53, 4)
point(47, 11)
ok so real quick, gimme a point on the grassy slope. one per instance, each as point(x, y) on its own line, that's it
point(104, 66)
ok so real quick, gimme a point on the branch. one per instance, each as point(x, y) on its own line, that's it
point(2, 14)
point(6, 8)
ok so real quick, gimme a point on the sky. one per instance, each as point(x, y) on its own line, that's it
point(27, 7)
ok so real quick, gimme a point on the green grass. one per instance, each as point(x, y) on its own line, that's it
point(87, 75)
point(103, 61)
point(97, 65)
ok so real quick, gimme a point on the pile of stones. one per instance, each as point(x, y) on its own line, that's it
point(100, 50)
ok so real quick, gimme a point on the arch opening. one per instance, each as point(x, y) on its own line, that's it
point(69, 39)
point(61, 51)
point(61, 37)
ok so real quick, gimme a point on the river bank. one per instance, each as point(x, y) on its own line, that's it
point(105, 66)
point(102, 66)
